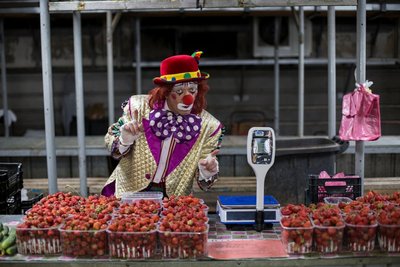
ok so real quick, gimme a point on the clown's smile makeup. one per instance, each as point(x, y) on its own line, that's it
point(184, 107)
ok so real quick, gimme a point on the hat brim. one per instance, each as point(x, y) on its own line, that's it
point(160, 81)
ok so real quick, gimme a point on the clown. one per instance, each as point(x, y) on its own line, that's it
point(166, 140)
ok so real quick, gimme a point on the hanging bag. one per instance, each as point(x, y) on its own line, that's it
point(361, 117)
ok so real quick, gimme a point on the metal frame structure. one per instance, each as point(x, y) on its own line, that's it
point(360, 78)
point(4, 80)
point(77, 7)
point(48, 96)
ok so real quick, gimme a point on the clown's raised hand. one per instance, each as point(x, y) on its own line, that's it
point(209, 166)
point(130, 131)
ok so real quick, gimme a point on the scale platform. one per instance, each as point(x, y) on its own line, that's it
point(242, 209)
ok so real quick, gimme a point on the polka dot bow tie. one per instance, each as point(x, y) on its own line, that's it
point(165, 123)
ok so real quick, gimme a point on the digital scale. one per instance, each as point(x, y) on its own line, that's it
point(258, 209)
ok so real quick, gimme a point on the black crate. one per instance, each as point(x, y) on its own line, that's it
point(10, 179)
point(12, 205)
point(318, 188)
point(34, 196)
point(296, 158)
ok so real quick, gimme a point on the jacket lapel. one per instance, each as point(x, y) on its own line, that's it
point(178, 154)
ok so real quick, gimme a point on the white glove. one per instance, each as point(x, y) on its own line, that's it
point(208, 167)
point(129, 133)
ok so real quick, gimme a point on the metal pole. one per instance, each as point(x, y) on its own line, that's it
point(4, 80)
point(301, 74)
point(361, 69)
point(276, 74)
point(48, 95)
point(79, 102)
point(110, 69)
point(331, 72)
point(138, 57)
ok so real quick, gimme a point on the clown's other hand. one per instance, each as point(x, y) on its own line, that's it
point(130, 131)
point(209, 166)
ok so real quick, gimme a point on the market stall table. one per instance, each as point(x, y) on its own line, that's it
point(223, 243)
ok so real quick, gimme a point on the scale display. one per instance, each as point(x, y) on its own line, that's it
point(262, 147)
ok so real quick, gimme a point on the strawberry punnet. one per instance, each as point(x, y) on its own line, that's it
point(360, 231)
point(297, 233)
point(329, 227)
point(132, 236)
point(183, 228)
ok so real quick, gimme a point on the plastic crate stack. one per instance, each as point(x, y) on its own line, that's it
point(11, 183)
point(319, 188)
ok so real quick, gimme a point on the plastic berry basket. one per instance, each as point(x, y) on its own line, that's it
point(328, 239)
point(203, 209)
point(187, 201)
point(337, 200)
point(183, 245)
point(133, 237)
point(139, 207)
point(389, 237)
point(360, 231)
point(132, 245)
point(83, 243)
point(360, 238)
point(140, 203)
point(177, 204)
point(297, 240)
point(38, 241)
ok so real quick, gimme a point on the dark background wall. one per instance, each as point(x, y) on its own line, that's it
point(238, 92)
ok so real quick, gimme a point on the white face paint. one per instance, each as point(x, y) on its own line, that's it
point(177, 95)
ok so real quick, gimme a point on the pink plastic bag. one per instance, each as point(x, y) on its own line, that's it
point(361, 117)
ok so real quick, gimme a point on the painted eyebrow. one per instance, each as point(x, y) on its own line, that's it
point(178, 89)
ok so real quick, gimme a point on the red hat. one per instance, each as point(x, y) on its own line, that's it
point(179, 69)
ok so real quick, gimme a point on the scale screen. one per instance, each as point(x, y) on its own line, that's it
point(262, 147)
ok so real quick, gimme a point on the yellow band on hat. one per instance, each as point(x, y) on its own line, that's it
point(181, 76)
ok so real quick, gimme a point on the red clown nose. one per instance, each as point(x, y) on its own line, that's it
point(188, 100)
